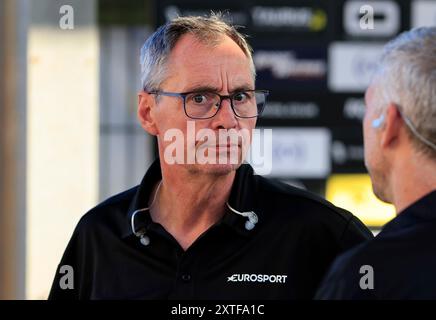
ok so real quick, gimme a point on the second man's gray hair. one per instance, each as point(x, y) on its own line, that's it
point(407, 78)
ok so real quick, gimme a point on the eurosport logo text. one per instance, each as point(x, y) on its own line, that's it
point(273, 278)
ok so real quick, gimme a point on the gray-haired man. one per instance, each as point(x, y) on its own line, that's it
point(400, 153)
point(197, 229)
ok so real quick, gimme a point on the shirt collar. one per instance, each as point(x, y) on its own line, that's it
point(422, 210)
point(242, 198)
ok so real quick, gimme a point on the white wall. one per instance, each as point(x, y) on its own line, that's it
point(62, 138)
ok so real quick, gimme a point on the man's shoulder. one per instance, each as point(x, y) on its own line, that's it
point(291, 198)
point(390, 247)
point(379, 254)
point(354, 259)
point(363, 272)
point(401, 265)
point(110, 213)
point(293, 206)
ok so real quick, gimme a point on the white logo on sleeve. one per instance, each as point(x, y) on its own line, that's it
point(237, 277)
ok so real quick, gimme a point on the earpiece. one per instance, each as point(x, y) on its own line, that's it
point(250, 215)
point(376, 123)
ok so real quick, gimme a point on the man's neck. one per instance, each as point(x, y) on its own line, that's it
point(188, 204)
point(414, 178)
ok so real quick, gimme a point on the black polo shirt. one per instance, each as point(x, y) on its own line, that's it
point(402, 259)
point(284, 257)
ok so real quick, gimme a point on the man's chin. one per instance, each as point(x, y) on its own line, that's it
point(381, 195)
point(380, 191)
point(378, 183)
point(213, 169)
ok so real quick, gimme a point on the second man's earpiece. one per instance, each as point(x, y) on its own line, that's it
point(376, 123)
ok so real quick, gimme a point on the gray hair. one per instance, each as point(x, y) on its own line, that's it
point(157, 48)
point(407, 77)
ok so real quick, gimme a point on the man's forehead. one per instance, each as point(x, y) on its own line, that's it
point(190, 51)
point(200, 65)
point(205, 81)
point(191, 42)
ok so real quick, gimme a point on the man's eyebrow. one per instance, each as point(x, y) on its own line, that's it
point(202, 88)
point(215, 89)
point(242, 88)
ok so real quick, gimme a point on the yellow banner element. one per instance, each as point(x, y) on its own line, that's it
point(353, 192)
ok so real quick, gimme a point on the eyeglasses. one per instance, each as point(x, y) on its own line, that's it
point(205, 105)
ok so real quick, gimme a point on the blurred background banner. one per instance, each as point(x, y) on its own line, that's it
point(68, 97)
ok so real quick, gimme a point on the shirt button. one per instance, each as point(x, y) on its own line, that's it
point(186, 277)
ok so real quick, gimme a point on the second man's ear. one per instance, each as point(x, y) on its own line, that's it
point(392, 125)
point(145, 115)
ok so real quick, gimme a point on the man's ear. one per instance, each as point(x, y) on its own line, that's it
point(391, 130)
point(146, 104)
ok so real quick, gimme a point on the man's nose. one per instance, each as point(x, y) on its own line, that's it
point(225, 118)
